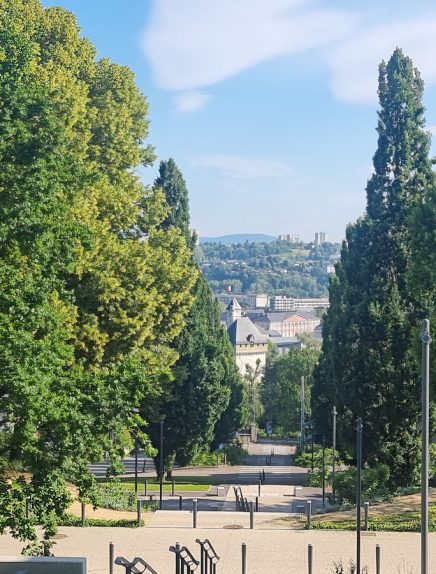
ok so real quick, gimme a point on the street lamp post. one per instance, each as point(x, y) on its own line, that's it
point(425, 378)
point(161, 464)
point(323, 471)
point(136, 464)
point(334, 455)
point(359, 490)
point(302, 414)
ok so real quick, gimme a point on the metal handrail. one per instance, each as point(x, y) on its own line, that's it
point(209, 558)
point(207, 545)
point(185, 561)
point(131, 567)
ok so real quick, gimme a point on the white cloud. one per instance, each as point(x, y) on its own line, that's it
point(197, 43)
point(353, 63)
point(190, 101)
point(244, 168)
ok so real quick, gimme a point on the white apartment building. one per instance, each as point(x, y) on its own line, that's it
point(284, 303)
point(320, 238)
point(288, 324)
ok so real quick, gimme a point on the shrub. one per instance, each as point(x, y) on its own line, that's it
point(118, 496)
point(235, 453)
point(70, 520)
point(374, 484)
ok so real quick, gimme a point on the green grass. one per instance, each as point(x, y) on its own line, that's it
point(182, 484)
point(403, 522)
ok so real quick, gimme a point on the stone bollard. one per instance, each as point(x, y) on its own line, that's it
point(251, 505)
point(145, 487)
point(366, 515)
point(111, 557)
point(138, 511)
point(180, 502)
point(258, 487)
point(310, 558)
point(194, 513)
point(309, 514)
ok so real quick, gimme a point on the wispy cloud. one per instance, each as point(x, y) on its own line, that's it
point(197, 43)
point(244, 168)
point(190, 101)
point(353, 63)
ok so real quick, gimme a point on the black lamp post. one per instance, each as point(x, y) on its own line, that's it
point(161, 461)
point(136, 463)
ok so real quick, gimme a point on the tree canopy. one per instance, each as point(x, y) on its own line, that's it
point(93, 290)
point(368, 367)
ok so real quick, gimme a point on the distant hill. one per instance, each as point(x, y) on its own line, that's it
point(239, 238)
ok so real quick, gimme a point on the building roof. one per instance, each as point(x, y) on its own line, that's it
point(281, 316)
point(233, 305)
point(243, 331)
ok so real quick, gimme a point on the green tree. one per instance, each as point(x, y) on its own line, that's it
point(281, 385)
point(368, 367)
point(205, 385)
point(93, 290)
point(171, 180)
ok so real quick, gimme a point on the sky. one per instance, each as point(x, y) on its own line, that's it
point(269, 108)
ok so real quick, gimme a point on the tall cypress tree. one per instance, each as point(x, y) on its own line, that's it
point(204, 403)
point(171, 180)
point(368, 367)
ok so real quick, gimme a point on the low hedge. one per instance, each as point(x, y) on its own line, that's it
point(71, 520)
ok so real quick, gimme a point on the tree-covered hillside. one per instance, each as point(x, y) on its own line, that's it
point(276, 268)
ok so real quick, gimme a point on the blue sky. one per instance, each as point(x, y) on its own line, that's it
point(268, 107)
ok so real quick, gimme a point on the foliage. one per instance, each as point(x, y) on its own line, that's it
point(205, 385)
point(93, 290)
point(368, 367)
point(281, 385)
point(71, 520)
point(375, 482)
point(339, 568)
point(235, 453)
point(276, 268)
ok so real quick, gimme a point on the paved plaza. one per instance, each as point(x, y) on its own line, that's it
point(268, 551)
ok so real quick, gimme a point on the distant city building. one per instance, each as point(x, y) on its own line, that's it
point(320, 238)
point(249, 344)
point(288, 324)
point(291, 237)
point(228, 288)
point(258, 301)
point(330, 269)
point(284, 303)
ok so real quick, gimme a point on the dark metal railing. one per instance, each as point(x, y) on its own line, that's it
point(136, 566)
point(208, 557)
point(185, 562)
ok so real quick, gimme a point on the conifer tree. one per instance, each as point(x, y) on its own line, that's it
point(204, 403)
point(368, 367)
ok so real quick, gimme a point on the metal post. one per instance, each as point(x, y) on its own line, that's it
point(323, 471)
point(136, 465)
point(366, 504)
point(311, 440)
point(150, 497)
point(138, 511)
point(244, 558)
point(263, 473)
point(257, 504)
point(111, 557)
point(251, 505)
point(359, 492)
point(425, 378)
point(177, 550)
point(27, 507)
point(180, 502)
point(83, 513)
point(334, 456)
point(194, 513)
point(308, 514)
point(145, 487)
point(161, 465)
point(258, 487)
point(173, 487)
point(377, 559)
point(310, 558)
point(302, 414)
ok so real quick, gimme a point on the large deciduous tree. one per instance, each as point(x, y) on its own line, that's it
point(93, 291)
point(368, 367)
